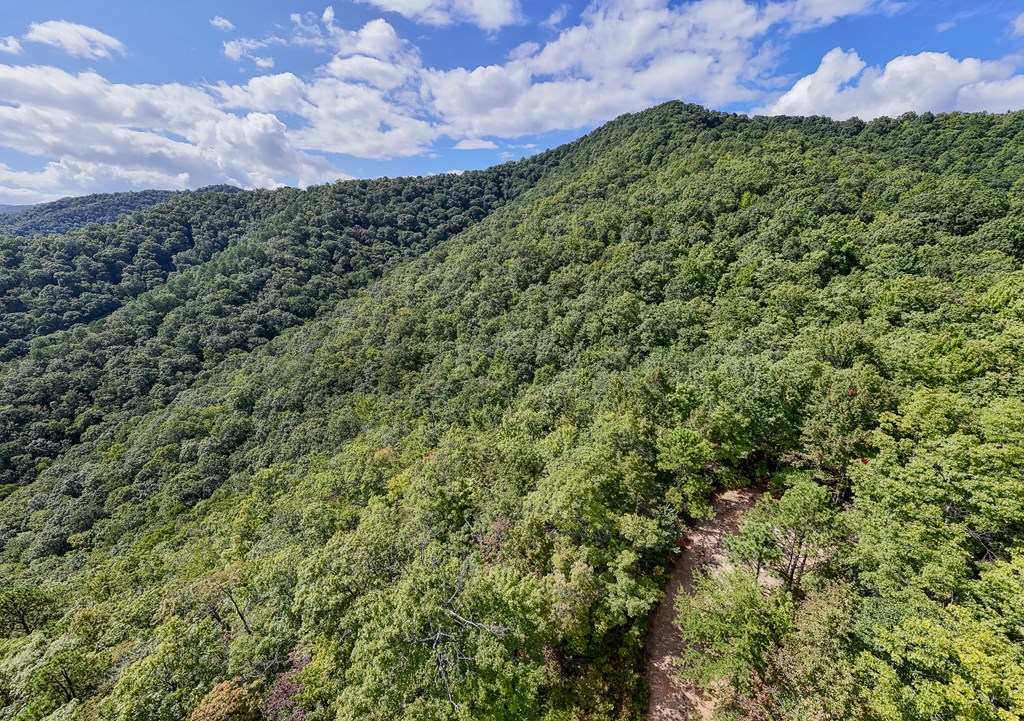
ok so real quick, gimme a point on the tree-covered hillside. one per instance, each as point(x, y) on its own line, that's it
point(61, 216)
point(422, 448)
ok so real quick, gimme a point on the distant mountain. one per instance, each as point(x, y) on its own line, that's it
point(425, 449)
point(13, 208)
point(67, 214)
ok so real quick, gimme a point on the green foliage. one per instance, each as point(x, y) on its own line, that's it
point(62, 216)
point(421, 448)
point(949, 666)
point(24, 609)
point(686, 454)
point(172, 677)
point(728, 627)
point(789, 536)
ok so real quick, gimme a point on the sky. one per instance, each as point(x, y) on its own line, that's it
point(111, 95)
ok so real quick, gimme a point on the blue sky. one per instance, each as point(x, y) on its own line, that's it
point(98, 97)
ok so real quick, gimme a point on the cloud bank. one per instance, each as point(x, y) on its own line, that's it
point(371, 95)
point(844, 86)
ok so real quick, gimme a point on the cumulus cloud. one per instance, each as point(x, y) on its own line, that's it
point(371, 95)
point(358, 119)
point(625, 55)
point(59, 179)
point(844, 86)
point(1018, 25)
point(994, 96)
point(80, 41)
point(364, 101)
point(486, 14)
point(10, 45)
point(109, 135)
point(523, 50)
point(376, 38)
point(808, 14)
point(375, 98)
point(222, 23)
point(322, 33)
point(264, 93)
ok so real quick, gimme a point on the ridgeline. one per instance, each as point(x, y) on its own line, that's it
point(422, 448)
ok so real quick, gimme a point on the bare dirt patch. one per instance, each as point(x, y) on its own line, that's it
point(702, 550)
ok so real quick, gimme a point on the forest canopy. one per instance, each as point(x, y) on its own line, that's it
point(421, 448)
point(67, 214)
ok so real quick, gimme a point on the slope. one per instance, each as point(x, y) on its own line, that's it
point(452, 495)
point(701, 552)
point(53, 283)
point(67, 214)
point(173, 291)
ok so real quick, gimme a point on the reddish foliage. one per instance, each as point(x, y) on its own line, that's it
point(492, 542)
point(232, 700)
point(280, 705)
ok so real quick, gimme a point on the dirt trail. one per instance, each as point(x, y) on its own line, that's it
point(671, 700)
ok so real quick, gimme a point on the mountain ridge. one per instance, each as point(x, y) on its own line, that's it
point(447, 487)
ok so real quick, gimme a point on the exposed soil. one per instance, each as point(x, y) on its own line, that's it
point(671, 699)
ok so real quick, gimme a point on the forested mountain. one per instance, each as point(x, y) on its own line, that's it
point(61, 216)
point(422, 448)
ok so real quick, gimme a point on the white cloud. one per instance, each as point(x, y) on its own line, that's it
point(475, 144)
point(844, 87)
point(809, 94)
point(556, 18)
point(222, 23)
point(1018, 25)
point(994, 96)
point(375, 98)
point(247, 49)
point(371, 95)
point(110, 136)
point(66, 177)
point(807, 14)
point(372, 71)
point(10, 45)
point(523, 51)
point(376, 38)
point(80, 41)
point(321, 33)
point(364, 101)
point(264, 142)
point(264, 93)
point(623, 56)
point(486, 14)
point(358, 119)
